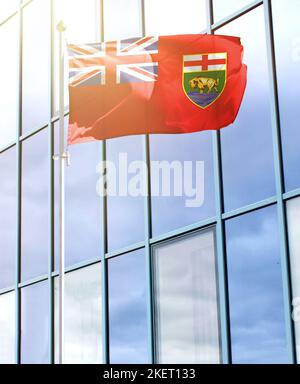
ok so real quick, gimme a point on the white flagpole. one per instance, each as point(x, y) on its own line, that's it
point(61, 205)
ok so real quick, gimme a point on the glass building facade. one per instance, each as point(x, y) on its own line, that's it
point(149, 280)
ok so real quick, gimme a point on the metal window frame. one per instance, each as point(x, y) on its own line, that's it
point(279, 179)
point(218, 221)
point(19, 194)
point(220, 228)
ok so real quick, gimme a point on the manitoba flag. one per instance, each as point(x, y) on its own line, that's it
point(165, 84)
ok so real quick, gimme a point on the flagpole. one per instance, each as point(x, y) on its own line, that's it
point(61, 204)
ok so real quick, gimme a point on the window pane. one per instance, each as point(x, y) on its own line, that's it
point(224, 8)
point(247, 154)
point(115, 13)
point(83, 339)
point(255, 289)
point(82, 19)
point(35, 205)
point(287, 40)
point(82, 203)
point(293, 213)
point(7, 328)
point(79, 12)
point(9, 82)
point(7, 8)
point(125, 212)
point(169, 17)
point(172, 212)
point(35, 324)
point(36, 60)
point(127, 309)
point(8, 217)
point(186, 300)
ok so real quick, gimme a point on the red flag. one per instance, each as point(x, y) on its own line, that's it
point(168, 84)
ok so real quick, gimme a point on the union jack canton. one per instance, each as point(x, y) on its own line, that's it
point(117, 62)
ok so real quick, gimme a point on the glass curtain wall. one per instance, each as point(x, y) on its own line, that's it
point(124, 254)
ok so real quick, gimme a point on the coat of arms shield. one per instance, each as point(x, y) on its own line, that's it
point(204, 77)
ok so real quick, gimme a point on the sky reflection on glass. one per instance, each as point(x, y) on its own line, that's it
point(169, 213)
point(35, 324)
point(287, 44)
point(83, 339)
point(169, 17)
point(293, 214)
point(185, 282)
point(35, 205)
point(255, 289)
point(224, 8)
point(127, 309)
point(124, 19)
point(9, 82)
point(186, 304)
point(8, 217)
point(36, 65)
point(7, 328)
point(247, 153)
point(82, 203)
point(7, 8)
point(125, 215)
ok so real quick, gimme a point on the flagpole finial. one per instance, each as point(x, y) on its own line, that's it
point(61, 26)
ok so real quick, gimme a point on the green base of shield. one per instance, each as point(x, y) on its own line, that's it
point(208, 85)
